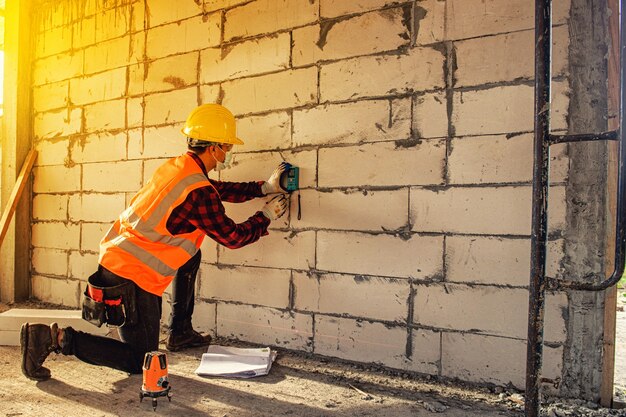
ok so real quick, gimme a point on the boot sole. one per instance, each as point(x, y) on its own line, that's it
point(24, 349)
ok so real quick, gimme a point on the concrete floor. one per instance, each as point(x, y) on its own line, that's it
point(296, 386)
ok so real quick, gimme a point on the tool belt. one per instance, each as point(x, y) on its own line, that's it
point(115, 306)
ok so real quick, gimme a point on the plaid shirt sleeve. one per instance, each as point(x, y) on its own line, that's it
point(204, 210)
point(238, 192)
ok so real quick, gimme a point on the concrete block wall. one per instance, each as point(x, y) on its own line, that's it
point(412, 125)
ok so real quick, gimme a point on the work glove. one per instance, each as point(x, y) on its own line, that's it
point(276, 207)
point(272, 186)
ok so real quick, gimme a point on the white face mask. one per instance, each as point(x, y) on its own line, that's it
point(228, 158)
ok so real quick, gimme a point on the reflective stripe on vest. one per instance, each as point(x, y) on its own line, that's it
point(146, 257)
point(146, 228)
point(155, 236)
point(142, 249)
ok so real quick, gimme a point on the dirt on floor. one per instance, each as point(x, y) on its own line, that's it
point(299, 385)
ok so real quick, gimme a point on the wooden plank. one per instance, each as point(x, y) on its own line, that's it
point(610, 296)
point(608, 348)
point(20, 184)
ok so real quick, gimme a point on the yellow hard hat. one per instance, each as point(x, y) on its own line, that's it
point(211, 123)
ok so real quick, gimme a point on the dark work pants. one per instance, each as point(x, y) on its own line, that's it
point(183, 295)
point(127, 355)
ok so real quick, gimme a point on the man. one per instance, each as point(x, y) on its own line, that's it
point(156, 240)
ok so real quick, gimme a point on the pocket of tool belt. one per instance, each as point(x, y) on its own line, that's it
point(114, 305)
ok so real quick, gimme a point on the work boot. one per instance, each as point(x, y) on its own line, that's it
point(38, 341)
point(187, 339)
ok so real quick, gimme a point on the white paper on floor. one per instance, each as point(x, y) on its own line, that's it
point(236, 362)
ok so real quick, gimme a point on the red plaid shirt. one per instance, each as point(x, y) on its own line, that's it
point(203, 209)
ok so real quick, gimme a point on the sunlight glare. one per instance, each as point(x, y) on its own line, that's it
point(1, 82)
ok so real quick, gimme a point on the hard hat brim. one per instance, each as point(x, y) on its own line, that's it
point(232, 141)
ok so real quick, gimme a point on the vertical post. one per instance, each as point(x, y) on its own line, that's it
point(15, 144)
point(610, 297)
point(539, 232)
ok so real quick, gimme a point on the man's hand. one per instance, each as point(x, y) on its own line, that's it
point(272, 186)
point(276, 207)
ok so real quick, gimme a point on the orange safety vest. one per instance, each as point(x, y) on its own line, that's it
point(138, 246)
